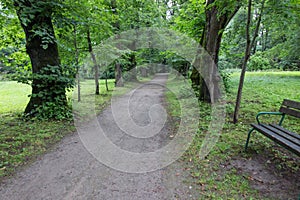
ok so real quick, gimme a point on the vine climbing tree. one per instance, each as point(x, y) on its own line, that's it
point(48, 81)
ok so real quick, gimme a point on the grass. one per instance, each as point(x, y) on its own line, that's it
point(21, 141)
point(263, 91)
point(14, 97)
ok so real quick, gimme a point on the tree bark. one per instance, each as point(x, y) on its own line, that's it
point(211, 42)
point(77, 64)
point(118, 69)
point(249, 46)
point(132, 68)
point(106, 83)
point(43, 52)
point(118, 75)
point(96, 67)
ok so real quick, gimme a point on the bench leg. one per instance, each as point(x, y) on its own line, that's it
point(248, 138)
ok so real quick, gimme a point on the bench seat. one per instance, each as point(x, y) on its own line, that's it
point(282, 136)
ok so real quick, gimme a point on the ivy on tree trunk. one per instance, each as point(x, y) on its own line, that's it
point(48, 89)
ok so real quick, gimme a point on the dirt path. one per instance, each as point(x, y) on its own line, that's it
point(69, 171)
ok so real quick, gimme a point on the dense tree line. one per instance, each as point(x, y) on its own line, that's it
point(44, 43)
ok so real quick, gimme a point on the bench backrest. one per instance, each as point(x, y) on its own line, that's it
point(290, 107)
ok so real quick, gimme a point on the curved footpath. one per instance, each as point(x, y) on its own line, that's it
point(69, 171)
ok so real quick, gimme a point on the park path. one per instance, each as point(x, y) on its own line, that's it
point(69, 171)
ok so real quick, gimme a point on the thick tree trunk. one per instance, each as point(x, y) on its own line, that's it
point(43, 53)
point(211, 42)
point(96, 67)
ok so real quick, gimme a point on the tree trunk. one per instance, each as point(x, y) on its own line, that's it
point(118, 69)
point(96, 67)
point(77, 64)
point(265, 40)
point(247, 57)
point(118, 75)
point(44, 57)
point(132, 67)
point(106, 83)
point(211, 42)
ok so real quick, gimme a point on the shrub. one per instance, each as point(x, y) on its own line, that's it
point(259, 62)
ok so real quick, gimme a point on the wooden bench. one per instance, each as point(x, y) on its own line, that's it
point(276, 132)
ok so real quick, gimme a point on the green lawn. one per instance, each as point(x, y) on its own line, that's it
point(20, 140)
point(13, 97)
point(263, 91)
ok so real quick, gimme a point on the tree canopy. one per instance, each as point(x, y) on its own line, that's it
point(44, 43)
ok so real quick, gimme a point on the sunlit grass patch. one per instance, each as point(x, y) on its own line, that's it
point(13, 96)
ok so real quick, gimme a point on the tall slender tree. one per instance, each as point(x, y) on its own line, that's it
point(249, 46)
point(96, 66)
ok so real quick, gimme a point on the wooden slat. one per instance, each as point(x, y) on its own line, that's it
point(290, 107)
point(277, 138)
point(289, 111)
point(282, 134)
point(295, 135)
point(291, 103)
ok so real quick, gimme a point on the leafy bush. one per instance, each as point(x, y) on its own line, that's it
point(259, 62)
point(226, 76)
point(185, 92)
point(287, 65)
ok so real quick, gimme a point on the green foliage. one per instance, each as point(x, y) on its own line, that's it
point(191, 19)
point(226, 77)
point(186, 92)
point(258, 62)
point(134, 14)
point(53, 81)
point(13, 57)
point(276, 43)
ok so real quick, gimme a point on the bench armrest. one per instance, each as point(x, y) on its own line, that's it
point(270, 113)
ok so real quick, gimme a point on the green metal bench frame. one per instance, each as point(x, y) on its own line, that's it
point(276, 132)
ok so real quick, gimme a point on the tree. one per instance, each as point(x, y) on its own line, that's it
point(249, 46)
point(48, 84)
point(116, 25)
point(218, 15)
point(132, 14)
point(91, 20)
point(96, 66)
point(276, 44)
